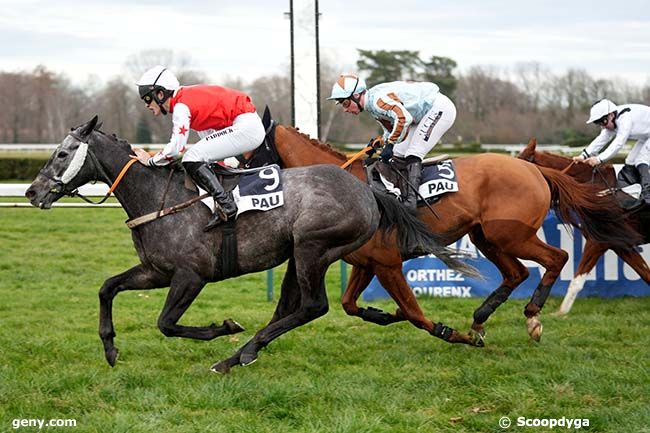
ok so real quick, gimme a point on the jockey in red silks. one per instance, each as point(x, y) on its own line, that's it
point(225, 120)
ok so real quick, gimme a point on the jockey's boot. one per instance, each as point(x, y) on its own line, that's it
point(202, 174)
point(414, 176)
point(644, 174)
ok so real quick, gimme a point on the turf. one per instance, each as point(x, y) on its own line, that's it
point(337, 374)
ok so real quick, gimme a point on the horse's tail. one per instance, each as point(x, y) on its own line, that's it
point(411, 232)
point(599, 216)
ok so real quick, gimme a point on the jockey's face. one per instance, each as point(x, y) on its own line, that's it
point(153, 105)
point(607, 122)
point(349, 106)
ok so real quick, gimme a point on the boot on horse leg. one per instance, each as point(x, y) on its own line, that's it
point(204, 177)
point(644, 173)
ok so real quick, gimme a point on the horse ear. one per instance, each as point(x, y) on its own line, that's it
point(266, 117)
point(87, 128)
point(532, 144)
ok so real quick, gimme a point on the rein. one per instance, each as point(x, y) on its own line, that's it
point(356, 156)
point(568, 167)
point(135, 221)
point(118, 179)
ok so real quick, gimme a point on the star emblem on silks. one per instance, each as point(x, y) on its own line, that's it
point(182, 130)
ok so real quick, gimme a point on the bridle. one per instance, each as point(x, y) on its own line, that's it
point(99, 173)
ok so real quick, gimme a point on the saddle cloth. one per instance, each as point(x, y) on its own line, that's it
point(252, 189)
point(436, 180)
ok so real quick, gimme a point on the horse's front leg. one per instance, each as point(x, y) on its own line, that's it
point(137, 278)
point(185, 287)
point(363, 270)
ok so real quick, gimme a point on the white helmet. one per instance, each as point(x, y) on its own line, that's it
point(159, 76)
point(346, 86)
point(601, 109)
point(155, 79)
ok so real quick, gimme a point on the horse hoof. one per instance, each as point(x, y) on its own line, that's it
point(247, 359)
point(220, 368)
point(477, 339)
point(535, 328)
point(233, 327)
point(111, 356)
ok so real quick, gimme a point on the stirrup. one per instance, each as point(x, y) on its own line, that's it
point(219, 216)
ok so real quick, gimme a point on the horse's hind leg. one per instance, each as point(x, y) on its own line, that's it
point(553, 260)
point(308, 278)
point(185, 287)
point(592, 252)
point(512, 271)
point(633, 258)
point(136, 278)
point(289, 294)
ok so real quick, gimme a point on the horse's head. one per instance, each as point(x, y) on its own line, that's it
point(528, 153)
point(68, 168)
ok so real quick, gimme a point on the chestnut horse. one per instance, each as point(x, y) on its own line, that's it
point(501, 203)
point(604, 178)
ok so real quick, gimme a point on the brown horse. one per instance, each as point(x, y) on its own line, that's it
point(502, 203)
point(604, 178)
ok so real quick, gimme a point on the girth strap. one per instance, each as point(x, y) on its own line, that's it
point(228, 253)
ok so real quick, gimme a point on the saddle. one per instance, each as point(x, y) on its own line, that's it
point(628, 188)
point(390, 178)
point(228, 177)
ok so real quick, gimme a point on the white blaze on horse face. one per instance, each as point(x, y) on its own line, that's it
point(76, 163)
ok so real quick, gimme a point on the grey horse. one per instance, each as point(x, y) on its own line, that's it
point(327, 213)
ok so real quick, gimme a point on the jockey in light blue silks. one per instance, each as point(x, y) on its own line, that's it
point(414, 116)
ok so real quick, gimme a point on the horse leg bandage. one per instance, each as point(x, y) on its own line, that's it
point(496, 298)
point(442, 331)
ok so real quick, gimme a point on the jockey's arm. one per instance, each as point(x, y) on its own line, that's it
point(400, 116)
point(596, 145)
point(623, 133)
point(178, 141)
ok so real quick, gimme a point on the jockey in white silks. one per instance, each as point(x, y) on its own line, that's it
point(621, 123)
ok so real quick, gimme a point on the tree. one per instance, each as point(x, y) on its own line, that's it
point(384, 66)
point(440, 70)
point(142, 131)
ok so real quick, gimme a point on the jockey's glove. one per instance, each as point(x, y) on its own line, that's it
point(387, 153)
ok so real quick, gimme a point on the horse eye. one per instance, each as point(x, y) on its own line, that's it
point(62, 154)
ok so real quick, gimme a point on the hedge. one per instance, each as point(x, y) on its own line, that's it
point(20, 168)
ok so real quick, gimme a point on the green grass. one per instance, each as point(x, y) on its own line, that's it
point(337, 374)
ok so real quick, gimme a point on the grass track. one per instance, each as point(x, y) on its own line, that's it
point(337, 374)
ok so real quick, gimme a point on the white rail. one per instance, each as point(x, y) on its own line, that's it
point(19, 189)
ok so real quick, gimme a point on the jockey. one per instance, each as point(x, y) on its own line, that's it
point(414, 116)
point(621, 122)
point(224, 119)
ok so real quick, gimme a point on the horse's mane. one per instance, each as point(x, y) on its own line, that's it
point(317, 143)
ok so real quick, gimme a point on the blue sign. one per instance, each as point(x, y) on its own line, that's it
point(611, 277)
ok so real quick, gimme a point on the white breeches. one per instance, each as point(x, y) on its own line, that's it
point(245, 134)
point(421, 138)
